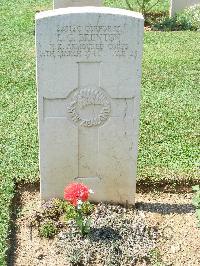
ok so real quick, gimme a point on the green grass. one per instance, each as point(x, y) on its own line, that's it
point(169, 115)
point(18, 125)
point(169, 141)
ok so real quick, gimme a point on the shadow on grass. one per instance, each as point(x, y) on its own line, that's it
point(165, 208)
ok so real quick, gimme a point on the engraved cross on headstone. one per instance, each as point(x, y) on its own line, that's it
point(88, 147)
point(88, 107)
point(88, 116)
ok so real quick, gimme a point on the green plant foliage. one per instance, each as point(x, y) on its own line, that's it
point(87, 208)
point(79, 215)
point(70, 212)
point(196, 201)
point(155, 258)
point(49, 217)
point(175, 23)
point(59, 205)
point(189, 19)
point(144, 5)
point(192, 15)
point(50, 210)
point(162, 5)
point(48, 229)
point(56, 212)
point(82, 222)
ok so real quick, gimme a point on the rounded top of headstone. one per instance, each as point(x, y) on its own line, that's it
point(88, 9)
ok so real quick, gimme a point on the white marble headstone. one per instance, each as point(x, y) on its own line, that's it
point(76, 3)
point(178, 5)
point(88, 78)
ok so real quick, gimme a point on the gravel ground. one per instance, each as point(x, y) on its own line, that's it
point(163, 222)
point(119, 236)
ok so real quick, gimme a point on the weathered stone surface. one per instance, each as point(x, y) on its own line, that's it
point(76, 3)
point(178, 5)
point(88, 78)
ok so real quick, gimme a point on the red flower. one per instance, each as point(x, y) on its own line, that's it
point(76, 191)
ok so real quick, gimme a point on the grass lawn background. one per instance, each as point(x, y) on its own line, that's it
point(163, 5)
point(168, 147)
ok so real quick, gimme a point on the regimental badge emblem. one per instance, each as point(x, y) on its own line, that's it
point(89, 107)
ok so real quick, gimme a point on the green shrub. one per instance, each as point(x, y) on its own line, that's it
point(173, 24)
point(48, 229)
point(192, 15)
point(144, 5)
point(70, 212)
point(189, 19)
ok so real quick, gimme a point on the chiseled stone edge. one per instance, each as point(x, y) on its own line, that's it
point(88, 9)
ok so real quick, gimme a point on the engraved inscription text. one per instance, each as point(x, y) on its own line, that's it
point(78, 41)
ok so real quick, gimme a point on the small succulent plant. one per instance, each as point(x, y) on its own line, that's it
point(48, 229)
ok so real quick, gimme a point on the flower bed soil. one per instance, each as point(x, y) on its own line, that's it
point(162, 229)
